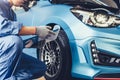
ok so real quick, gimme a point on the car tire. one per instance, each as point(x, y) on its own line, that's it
point(56, 55)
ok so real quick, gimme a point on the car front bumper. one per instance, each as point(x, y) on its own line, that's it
point(83, 65)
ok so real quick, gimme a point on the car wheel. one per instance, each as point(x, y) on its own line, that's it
point(57, 57)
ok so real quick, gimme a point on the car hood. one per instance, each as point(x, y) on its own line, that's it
point(112, 5)
point(109, 3)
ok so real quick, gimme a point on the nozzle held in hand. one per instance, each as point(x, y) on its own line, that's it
point(56, 30)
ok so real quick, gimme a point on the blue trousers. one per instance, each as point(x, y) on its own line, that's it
point(27, 68)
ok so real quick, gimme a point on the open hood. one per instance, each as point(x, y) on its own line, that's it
point(111, 4)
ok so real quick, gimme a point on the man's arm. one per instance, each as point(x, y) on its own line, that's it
point(43, 32)
point(27, 30)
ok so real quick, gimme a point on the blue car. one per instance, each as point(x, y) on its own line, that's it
point(88, 44)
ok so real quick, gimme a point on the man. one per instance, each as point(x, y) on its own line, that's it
point(11, 46)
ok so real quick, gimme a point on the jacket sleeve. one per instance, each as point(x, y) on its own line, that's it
point(8, 27)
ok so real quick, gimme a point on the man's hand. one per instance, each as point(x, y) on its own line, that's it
point(44, 32)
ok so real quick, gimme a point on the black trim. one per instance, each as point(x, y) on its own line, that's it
point(113, 75)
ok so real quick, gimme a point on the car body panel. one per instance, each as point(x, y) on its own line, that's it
point(79, 34)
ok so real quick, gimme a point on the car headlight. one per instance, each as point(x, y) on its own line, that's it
point(103, 58)
point(97, 17)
